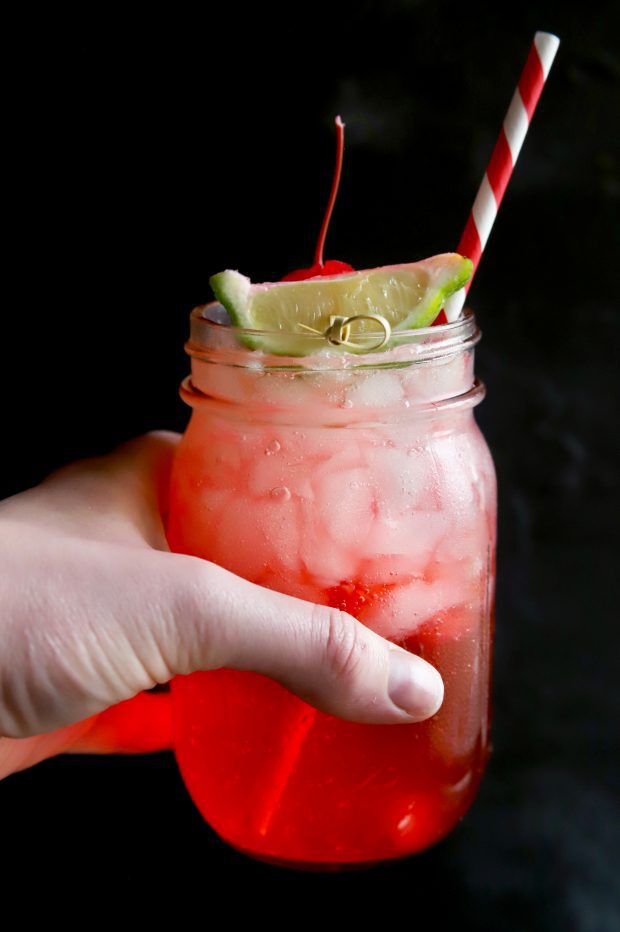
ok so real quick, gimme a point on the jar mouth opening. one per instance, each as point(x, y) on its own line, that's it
point(214, 339)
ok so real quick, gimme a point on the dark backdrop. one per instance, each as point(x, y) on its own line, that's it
point(147, 155)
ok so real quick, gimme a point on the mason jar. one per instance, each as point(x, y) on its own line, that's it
point(359, 481)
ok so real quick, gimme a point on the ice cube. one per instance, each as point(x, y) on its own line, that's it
point(406, 608)
point(406, 474)
point(327, 561)
point(344, 505)
point(270, 467)
point(455, 461)
point(375, 388)
point(437, 379)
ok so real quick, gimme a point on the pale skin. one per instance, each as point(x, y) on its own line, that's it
point(94, 609)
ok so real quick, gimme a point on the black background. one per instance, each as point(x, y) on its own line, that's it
point(145, 156)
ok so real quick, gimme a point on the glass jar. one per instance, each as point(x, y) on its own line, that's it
point(361, 482)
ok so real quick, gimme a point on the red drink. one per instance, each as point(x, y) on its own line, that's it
point(365, 484)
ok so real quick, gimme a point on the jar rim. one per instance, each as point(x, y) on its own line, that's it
point(215, 340)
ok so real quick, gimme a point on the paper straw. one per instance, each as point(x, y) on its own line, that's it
point(507, 148)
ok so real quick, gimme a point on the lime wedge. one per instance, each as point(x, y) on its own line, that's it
point(291, 315)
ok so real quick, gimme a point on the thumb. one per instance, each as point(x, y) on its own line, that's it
point(139, 617)
point(324, 655)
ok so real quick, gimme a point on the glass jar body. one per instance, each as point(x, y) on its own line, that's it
point(363, 490)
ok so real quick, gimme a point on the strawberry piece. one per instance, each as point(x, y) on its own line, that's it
point(353, 596)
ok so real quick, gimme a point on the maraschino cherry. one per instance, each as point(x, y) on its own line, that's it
point(331, 266)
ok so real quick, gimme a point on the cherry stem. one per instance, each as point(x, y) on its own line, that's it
point(318, 255)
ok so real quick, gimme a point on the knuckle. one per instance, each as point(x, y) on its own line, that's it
point(200, 630)
point(344, 647)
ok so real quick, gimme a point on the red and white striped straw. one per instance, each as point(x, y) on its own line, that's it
point(507, 148)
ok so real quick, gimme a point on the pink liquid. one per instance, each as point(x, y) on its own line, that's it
point(393, 523)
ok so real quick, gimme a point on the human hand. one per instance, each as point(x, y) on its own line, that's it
point(94, 609)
